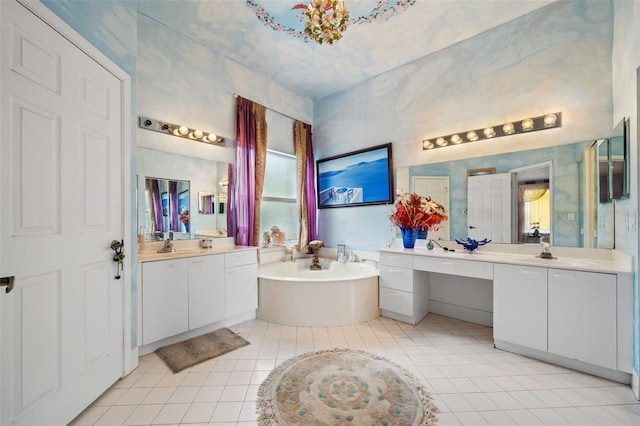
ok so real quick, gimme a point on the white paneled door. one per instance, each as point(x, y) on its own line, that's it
point(436, 187)
point(489, 207)
point(61, 205)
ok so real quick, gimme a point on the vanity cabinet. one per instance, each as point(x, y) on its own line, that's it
point(241, 282)
point(400, 296)
point(165, 299)
point(185, 294)
point(206, 290)
point(520, 305)
point(582, 316)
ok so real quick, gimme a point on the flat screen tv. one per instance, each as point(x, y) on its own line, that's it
point(357, 178)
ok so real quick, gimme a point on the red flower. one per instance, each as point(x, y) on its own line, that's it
point(413, 211)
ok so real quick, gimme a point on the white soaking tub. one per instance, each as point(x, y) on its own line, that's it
point(290, 293)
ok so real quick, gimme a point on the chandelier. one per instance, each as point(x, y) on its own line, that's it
point(327, 20)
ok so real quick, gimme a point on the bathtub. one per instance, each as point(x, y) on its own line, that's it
point(290, 293)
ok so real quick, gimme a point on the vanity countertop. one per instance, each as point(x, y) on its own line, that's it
point(576, 259)
point(186, 248)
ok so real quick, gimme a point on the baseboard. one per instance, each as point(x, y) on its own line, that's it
point(635, 384)
point(615, 375)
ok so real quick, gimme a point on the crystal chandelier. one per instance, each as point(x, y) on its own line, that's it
point(327, 20)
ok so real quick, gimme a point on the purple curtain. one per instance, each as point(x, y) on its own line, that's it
point(157, 205)
point(243, 193)
point(231, 223)
point(173, 205)
point(311, 188)
point(208, 204)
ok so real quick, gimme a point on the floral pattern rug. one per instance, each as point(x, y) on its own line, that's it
point(342, 387)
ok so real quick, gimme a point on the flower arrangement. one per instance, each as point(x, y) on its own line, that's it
point(413, 211)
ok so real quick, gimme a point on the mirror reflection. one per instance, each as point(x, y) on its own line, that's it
point(206, 202)
point(566, 188)
point(167, 204)
point(198, 180)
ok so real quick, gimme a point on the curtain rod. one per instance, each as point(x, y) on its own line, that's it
point(235, 95)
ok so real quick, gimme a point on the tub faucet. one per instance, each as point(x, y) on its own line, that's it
point(288, 252)
point(341, 253)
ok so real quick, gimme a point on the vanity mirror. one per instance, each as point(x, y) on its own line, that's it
point(570, 203)
point(200, 181)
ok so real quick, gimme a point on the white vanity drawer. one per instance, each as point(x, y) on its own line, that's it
point(399, 260)
point(396, 301)
point(239, 258)
point(452, 266)
point(397, 278)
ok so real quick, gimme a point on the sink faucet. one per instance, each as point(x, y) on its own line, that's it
point(546, 254)
point(341, 253)
point(168, 247)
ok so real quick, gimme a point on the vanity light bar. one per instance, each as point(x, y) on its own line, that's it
point(180, 131)
point(542, 122)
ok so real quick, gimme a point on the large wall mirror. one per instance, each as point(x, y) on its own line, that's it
point(200, 188)
point(569, 174)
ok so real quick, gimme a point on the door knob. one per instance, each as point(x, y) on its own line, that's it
point(472, 227)
point(7, 282)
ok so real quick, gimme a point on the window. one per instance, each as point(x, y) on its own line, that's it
point(279, 207)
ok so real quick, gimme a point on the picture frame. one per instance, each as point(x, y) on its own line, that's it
point(480, 172)
point(358, 178)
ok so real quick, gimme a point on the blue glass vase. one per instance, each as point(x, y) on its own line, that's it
point(422, 234)
point(409, 236)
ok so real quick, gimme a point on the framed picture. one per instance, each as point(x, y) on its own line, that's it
point(480, 172)
point(356, 178)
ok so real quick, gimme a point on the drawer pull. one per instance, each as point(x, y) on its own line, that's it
point(531, 272)
point(444, 262)
point(197, 261)
point(564, 276)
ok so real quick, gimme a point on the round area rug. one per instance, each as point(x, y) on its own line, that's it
point(342, 387)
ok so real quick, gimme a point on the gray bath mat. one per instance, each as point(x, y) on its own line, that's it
point(181, 355)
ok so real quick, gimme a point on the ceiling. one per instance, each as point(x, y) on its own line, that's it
point(416, 28)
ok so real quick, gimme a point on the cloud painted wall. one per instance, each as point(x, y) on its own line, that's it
point(555, 59)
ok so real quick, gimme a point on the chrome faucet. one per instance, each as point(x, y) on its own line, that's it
point(546, 254)
point(342, 252)
point(168, 247)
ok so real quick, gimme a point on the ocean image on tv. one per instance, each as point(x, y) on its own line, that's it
point(360, 178)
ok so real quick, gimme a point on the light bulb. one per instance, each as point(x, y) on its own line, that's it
point(427, 144)
point(527, 124)
point(197, 134)
point(472, 136)
point(550, 120)
point(456, 139)
point(212, 137)
point(441, 141)
point(489, 132)
point(508, 128)
point(183, 130)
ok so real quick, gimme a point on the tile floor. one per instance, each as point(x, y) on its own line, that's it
point(471, 382)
